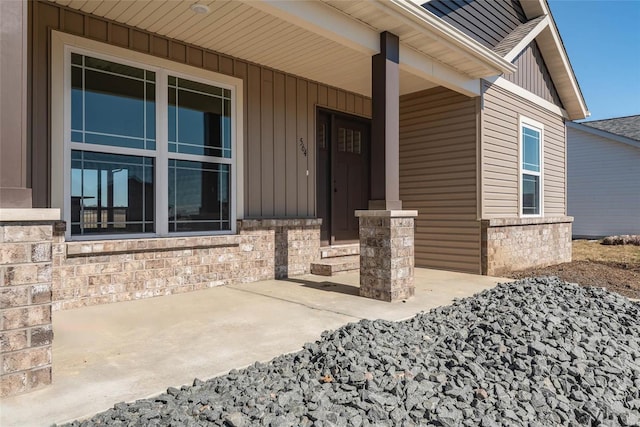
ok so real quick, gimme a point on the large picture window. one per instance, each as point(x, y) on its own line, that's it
point(531, 134)
point(151, 150)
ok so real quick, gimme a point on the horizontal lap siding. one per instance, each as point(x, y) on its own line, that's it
point(603, 177)
point(438, 177)
point(279, 111)
point(500, 179)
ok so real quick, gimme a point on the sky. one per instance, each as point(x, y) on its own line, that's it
point(602, 39)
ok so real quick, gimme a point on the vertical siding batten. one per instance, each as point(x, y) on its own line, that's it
point(533, 75)
point(301, 140)
point(291, 146)
point(312, 102)
point(266, 143)
point(280, 151)
point(253, 141)
point(279, 110)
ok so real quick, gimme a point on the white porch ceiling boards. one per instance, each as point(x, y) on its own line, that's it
point(257, 31)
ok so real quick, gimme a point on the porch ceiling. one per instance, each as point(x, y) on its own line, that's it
point(268, 33)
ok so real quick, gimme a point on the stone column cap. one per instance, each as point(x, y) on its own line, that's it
point(22, 215)
point(388, 213)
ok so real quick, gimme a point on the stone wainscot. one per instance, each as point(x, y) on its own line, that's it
point(511, 244)
point(97, 272)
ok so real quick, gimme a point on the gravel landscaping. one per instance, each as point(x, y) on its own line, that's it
point(535, 352)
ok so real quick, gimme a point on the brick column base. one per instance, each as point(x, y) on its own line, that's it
point(25, 296)
point(386, 254)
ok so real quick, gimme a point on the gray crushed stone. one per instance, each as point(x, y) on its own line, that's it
point(536, 352)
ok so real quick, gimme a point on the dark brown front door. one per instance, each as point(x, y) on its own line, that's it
point(343, 175)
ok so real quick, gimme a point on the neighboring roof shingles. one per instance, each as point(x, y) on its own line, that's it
point(624, 126)
point(521, 31)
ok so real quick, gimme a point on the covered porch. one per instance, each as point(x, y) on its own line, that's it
point(111, 353)
point(277, 65)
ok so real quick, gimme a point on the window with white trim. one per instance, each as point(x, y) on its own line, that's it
point(531, 139)
point(151, 150)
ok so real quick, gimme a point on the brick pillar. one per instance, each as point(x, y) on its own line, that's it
point(386, 254)
point(26, 331)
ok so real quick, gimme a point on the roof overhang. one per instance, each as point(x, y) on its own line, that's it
point(604, 134)
point(431, 26)
point(430, 48)
point(556, 59)
point(328, 41)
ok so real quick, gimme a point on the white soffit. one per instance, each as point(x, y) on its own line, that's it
point(296, 37)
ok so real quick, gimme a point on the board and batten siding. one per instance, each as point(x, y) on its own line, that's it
point(488, 22)
point(533, 75)
point(438, 177)
point(279, 111)
point(603, 185)
point(500, 154)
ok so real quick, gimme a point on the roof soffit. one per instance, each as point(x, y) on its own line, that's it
point(448, 65)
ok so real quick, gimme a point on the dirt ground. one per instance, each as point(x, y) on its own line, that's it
point(616, 268)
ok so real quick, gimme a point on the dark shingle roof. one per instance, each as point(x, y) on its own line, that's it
point(624, 126)
point(521, 31)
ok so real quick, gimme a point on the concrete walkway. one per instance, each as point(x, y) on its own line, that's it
point(131, 350)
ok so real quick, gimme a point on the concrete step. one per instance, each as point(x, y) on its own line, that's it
point(340, 250)
point(336, 265)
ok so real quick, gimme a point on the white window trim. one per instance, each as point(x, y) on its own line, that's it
point(535, 125)
point(62, 45)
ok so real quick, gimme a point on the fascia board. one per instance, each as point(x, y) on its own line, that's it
point(604, 134)
point(336, 26)
point(557, 61)
point(415, 63)
point(325, 21)
point(573, 99)
point(534, 8)
point(432, 26)
point(529, 96)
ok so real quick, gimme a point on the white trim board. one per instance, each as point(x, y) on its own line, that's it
point(524, 121)
point(526, 40)
point(557, 60)
point(529, 96)
point(61, 43)
point(338, 27)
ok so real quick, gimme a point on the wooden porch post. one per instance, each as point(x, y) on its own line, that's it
point(385, 127)
point(386, 231)
point(13, 97)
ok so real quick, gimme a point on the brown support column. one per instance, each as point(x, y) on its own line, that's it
point(13, 105)
point(385, 126)
point(386, 231)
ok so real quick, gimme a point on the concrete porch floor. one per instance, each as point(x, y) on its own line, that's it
point(131, 350)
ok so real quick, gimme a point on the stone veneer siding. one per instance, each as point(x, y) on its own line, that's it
point(97, 272)
point(511, 244)
point(387, 254)
point(26, 333)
